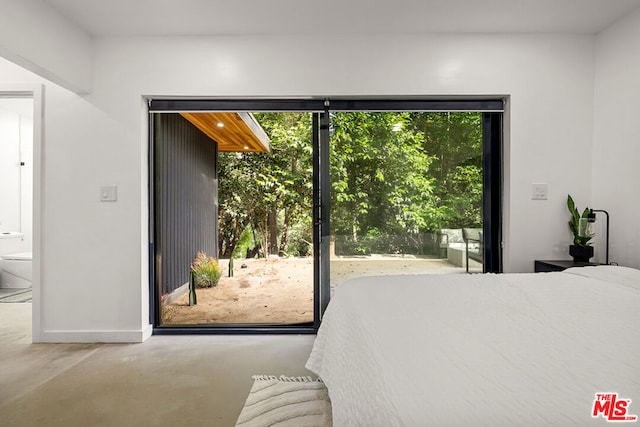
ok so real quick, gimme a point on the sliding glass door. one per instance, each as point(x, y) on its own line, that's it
point(282, 200)
point(413, 191)
point(234, 239)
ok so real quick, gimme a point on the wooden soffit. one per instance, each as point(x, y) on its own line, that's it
point(234, 132)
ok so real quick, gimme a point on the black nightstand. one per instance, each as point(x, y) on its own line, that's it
point(543, 266)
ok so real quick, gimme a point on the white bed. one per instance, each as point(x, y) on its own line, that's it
point(494, 350)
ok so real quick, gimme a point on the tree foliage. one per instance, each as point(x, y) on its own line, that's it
point(397, 177)
point(379, 177)
point(270, 191)
point(392, 174)
point(455, 142)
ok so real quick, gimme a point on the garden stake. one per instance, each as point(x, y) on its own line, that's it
point(230, 267)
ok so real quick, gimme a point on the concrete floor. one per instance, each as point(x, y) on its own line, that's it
point(165, 381)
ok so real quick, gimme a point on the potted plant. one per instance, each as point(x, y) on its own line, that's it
point(581, 250)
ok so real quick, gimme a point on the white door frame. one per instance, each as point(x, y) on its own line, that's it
point(36, 92)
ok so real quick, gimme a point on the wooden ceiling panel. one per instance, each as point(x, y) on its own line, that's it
point(234, 132)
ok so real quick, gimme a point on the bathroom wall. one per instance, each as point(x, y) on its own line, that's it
point(9, 170)
point(16, 181)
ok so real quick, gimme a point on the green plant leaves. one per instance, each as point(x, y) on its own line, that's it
point(206, 271)
point(581, 237)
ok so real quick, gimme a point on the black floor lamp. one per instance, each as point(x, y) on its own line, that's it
point(591, 217)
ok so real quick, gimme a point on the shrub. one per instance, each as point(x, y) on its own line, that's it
point(299, 241)
point(206, 271)
point(244, 242)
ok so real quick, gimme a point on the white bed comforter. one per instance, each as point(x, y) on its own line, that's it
point(494, 350)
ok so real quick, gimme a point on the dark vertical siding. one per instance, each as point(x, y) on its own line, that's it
point(186, 199)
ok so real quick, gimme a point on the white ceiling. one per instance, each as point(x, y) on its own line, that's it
point(218, 17)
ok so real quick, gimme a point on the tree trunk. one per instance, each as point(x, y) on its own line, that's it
point(229, 236)
point(283, 236)
point(273, 232)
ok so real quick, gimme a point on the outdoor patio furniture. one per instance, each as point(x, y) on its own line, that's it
point(474, 245)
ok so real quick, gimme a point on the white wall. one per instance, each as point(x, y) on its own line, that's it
point(616, 152)
point(9, 170)
point(549, 80)
point(95, 284)
point(16, 181)
point(26, 176)
point(16, 80)
point(36, 36)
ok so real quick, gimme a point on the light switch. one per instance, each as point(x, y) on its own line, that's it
point(108, 193)
point(539, 191)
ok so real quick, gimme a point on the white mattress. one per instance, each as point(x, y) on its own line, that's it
point(495, 350)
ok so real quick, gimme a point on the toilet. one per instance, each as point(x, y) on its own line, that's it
point(15, 264)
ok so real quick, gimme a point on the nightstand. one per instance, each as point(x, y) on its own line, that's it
point(543, 266)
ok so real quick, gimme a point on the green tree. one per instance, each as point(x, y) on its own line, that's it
point(392, 174)
point(270, 191)
point(454, 140)
point(287, 178)
point(379, 175)
point(236, 191)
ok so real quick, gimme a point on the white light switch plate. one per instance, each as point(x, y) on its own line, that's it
point(539, 191)
point(108, 193)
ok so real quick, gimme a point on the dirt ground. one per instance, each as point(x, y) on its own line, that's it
point(265, 291)
point(280, 290)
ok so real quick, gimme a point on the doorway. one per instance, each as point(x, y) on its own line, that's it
point(234, 230)
point(17, 195)
point(239, 182)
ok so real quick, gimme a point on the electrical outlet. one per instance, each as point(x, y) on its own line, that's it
point(539, 191)
point(108, 193)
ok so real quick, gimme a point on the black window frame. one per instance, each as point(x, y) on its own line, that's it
point(491, 107)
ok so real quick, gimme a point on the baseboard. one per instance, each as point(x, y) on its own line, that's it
point(124, 336)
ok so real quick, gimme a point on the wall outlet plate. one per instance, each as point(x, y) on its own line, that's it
point(108, 193)
point(539, 191)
